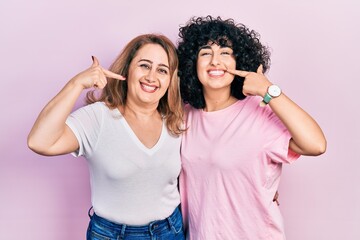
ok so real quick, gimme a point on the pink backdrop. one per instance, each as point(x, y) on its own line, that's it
point(315, 57)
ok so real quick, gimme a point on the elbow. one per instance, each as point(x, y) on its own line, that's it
point(312, 148)
point(320, 148)
point(32, 144)
point(323, 147)
point(35, 146)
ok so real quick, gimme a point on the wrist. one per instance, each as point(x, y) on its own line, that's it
point(264, 90)
point(74, 84)
point(273, 91)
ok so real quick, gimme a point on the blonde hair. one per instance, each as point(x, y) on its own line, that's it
point(115, 92)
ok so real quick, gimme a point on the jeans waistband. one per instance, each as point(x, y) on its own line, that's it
point(149, 228)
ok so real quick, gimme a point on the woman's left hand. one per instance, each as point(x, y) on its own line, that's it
point(307, 136)
point(255, 83)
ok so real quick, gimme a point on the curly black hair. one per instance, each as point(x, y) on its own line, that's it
point(199, 31)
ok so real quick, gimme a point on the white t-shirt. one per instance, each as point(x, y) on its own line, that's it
point(231, 161)
point(130, 183)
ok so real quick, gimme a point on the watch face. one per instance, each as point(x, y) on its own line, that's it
point(274, 91)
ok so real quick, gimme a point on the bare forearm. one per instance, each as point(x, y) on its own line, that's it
point(307, 136)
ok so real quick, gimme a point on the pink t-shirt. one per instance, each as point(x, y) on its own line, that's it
point(231, 167)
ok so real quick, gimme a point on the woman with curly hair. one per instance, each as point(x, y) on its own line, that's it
point(130, 137)
point(241, 128)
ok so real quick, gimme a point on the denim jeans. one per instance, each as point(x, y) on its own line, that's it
point(170, 228)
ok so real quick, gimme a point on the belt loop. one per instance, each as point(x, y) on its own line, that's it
point(170, 222)
point(151, 228)
point(89, 212)
point(122, 233)
point(170, 219)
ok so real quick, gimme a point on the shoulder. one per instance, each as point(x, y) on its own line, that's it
point(91, 110)
point(187, 107)
point(98, 106)
point(190, 110)
point(252, 103)
point(93, 106)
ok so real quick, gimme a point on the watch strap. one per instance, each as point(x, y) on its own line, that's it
point(267, 98)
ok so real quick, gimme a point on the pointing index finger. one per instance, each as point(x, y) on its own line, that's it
point(95, 61)
point(112, 75)
point(238, 72)
point(260, 69)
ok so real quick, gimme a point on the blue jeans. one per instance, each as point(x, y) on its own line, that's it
point(170, 228)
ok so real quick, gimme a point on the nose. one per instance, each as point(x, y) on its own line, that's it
point(215, 60)
point(150, 76)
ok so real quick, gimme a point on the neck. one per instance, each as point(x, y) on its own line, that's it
point(218, 100)
point(139, 112)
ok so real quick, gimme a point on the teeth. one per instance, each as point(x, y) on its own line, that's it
point(148, 88)
point(216, 72)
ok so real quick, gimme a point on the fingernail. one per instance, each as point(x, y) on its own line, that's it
point(92, 58)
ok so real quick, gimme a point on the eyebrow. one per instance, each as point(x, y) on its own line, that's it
point(204, 47)
point(209, 47)
point(151, 62)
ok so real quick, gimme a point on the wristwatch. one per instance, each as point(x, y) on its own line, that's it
point(272, 92)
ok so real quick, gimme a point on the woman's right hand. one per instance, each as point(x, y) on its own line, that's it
point(50, 135)
point(94, 76)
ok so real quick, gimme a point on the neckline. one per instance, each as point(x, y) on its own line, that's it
point(137, 141)
point(222, 110)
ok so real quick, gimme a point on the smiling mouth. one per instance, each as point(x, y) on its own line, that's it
point(148, 88)
point(216, 73)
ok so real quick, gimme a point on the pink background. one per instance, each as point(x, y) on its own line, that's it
point(315, 58)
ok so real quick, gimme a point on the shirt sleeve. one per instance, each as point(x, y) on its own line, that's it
point(277, 139)
point(86, 124)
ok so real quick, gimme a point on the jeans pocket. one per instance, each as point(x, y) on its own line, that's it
point(97, 236)
point(99, 232)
